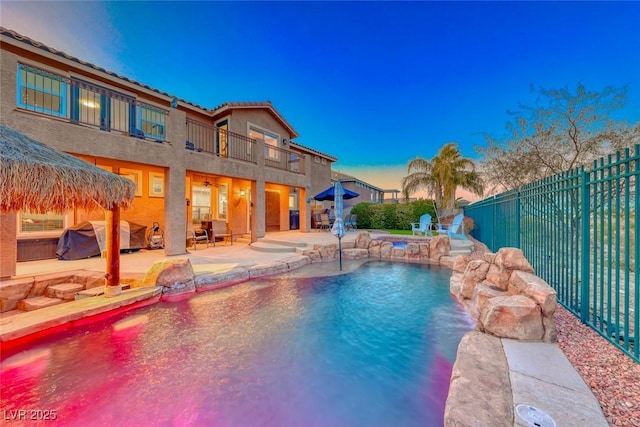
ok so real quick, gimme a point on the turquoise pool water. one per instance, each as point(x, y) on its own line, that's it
point(373, 347)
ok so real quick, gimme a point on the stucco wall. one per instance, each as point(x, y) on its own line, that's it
point(116, 150)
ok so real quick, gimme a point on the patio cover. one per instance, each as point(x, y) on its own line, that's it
point(39, 178)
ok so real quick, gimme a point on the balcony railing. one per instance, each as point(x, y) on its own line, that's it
point(223, 143)
point(280, 158)
point(220, 142)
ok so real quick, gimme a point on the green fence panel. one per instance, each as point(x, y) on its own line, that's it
point(578, 229)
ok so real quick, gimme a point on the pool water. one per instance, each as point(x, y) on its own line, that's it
point(373, 347)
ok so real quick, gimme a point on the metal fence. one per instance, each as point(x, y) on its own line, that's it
point(578, 230)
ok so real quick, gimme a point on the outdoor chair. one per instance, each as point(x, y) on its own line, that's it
point(422, 228)
point(199, 236)
point(325, 224)
point(351, 223)
point(455, 229)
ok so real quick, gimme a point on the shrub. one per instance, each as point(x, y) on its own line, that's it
point(392, 216)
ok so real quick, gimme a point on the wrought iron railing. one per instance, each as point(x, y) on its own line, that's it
point(580, 232)
point(220, 142)
point(280, 158)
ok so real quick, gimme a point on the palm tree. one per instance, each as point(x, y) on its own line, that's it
point(442, 175)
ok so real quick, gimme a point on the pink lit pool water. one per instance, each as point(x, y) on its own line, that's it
point(373, 347)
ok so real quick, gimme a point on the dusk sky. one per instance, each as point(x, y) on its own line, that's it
point(374, 84)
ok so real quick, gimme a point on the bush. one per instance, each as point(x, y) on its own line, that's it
point(392, 216)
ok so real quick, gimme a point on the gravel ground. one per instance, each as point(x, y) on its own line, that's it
point(614, 378)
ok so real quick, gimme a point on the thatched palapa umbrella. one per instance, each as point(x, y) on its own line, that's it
point(39, 178)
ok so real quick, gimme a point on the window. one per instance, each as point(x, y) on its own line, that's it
point(316, 159)
point(33, 223)
point(41, 91)
point(95, 105)
point(201, 204)
point(152, 121)
point(222, 201)
point(270, 140)
point(324, 161)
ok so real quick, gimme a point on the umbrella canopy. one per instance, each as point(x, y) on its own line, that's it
point(39, 178)
point(329, 193)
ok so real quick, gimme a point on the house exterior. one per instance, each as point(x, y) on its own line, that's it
point(367, 193)
point(235, 163)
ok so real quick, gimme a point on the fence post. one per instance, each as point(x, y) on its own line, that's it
point(585, 247)
point(518, 220)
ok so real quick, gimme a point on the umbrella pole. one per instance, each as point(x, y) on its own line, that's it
point(113, 287)
point(340, 251)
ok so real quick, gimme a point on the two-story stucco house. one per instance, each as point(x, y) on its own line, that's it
point(235, 163)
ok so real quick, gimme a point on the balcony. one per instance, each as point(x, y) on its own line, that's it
point(280, 158)
point(205, 138)
point(219, 142)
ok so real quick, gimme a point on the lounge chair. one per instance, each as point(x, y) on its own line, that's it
point(422, 228)
point(455, 230)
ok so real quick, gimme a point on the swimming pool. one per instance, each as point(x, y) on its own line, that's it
point(373, 347)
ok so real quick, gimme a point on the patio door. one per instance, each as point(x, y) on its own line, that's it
point(272, 211)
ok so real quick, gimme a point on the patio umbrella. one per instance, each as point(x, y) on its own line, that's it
point(39, 178)
point(338, 225)
point(329, 194)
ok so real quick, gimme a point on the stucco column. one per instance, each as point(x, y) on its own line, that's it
point(175, 211)
point(260, 208)
point(305, 223)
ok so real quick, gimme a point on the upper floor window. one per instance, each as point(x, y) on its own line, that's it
point(152, 121)
point(316, 159)
point(41, 91)
point(95, 105)
point(270, 141)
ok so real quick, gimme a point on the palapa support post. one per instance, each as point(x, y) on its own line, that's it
point(113, 287)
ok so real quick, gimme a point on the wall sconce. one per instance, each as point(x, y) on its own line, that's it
point(242, 193)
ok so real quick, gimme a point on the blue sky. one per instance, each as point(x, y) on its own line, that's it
point(372, 83)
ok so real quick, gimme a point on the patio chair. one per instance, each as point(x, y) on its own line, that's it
point(455, 229)
point(351, 223)
point(325, 223)
point(422, 228)
point(199, 236)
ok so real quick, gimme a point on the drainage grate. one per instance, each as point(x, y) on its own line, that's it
point(534, 417)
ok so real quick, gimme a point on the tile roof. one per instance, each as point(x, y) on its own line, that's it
point(26, 40)
point(343, 177)
point(311, 150)
point(267, 105)
point(227, 105)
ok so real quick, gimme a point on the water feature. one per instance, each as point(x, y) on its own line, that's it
point(373, 347)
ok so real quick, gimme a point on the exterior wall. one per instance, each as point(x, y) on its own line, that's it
point(117, 151)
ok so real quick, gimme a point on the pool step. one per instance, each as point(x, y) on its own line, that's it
point(460, 247)
point(96, 292)
point(35, 303)
point(65, 291)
